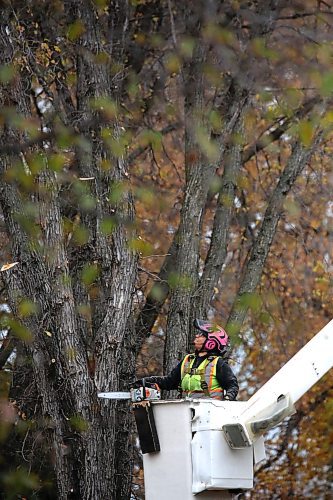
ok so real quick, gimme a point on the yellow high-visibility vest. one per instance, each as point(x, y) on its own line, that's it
point(200, 382)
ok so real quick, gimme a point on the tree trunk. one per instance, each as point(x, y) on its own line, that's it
point(198, 170)
point(77, 354)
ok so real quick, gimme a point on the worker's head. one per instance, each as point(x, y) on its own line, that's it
point(211, 338)
point(199, 341)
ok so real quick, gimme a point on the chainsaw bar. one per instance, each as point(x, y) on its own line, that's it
point(115, 395)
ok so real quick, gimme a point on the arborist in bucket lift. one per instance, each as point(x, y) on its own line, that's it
point(205, 373)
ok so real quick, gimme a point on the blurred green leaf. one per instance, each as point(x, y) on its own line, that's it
point(207, 145)
point(212, 74)
point(85, 311)
point(117, 146)
point(7, 73)
point(251, 301)
point(326, 86)
point(265, 318)
point(86, 200)
point(5, 382)
point(26, 308)
point(215, 184)
point(172, 63)
point(157, 292)
point(133, 85)
point(156, 40)
point(212, 32)
point(293, 208)
point(176, 280)
point(75, 30)
point(306, 132)
point(137, 2)
point(90, 273)
point(64, 138)
point(186, 46)
point(106, 106)
point(27, 221)
point(108, 224)
point(36, 162)
point(117, 190)
point(216, 121)
point(18, 329)
point(56, 161)
point(233, 332)
point(226, 200)
point(259, 47)
point(19, 173)
point(142, 247)
point(82, 143)
point(20, 482)
point(146, 195)
point(78, 423)
point(293, 98)
point(100, 3)
point(80, 235)
point(151, 138)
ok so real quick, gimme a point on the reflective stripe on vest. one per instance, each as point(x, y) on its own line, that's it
point(192, 380)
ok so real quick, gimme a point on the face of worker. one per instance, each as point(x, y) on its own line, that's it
point(199, 341)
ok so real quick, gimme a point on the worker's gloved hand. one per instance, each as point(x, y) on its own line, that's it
point(136, 383)
point(146, 381)
point(150, 381)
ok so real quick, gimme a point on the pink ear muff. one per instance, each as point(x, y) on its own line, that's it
point(219, 337)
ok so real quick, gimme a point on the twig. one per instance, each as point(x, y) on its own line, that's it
point(153, 275)
point(141, 149)
point(172, 22)
point(157, 255)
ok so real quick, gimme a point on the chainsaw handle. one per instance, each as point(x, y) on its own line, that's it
point(144, 394)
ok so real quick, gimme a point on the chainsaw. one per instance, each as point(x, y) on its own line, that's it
point(143, 412)
point(136, 395)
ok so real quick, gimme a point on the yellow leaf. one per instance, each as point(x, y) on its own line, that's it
point(49, 334)
point(5, 267)
point(306, 132)
point(251, 167)
point(315, 224)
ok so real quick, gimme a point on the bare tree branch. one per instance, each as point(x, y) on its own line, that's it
point(156, 297)
point(275, 134)
point(17, 147)
point(7, 347)
point(141, 149)
point(220, 233)
point(251, 275)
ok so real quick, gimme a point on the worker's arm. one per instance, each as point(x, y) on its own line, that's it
point(170, 381)
point(227, 379)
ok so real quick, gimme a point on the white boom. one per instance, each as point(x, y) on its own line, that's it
point(302, 371)
point(275, 400)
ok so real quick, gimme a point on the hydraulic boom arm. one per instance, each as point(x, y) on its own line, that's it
point(275, 399)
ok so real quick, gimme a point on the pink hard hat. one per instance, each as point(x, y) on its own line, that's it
point(217, 337)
